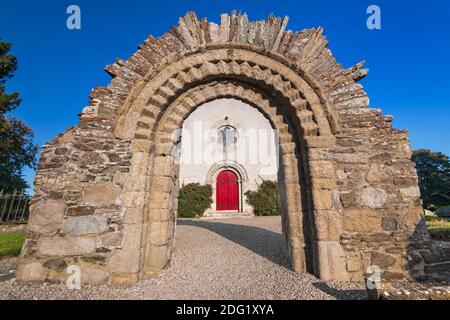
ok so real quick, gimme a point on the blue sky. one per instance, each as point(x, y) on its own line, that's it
point(409, 58)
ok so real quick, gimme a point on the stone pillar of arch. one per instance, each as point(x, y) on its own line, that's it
point(106, 190)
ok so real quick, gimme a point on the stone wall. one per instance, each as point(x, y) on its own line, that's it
point(106, 190)
point(76, 212)
point(378, 191)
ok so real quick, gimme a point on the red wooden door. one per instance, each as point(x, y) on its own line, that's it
point(227, 191)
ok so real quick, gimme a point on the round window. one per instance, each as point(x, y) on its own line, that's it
point(227, 136)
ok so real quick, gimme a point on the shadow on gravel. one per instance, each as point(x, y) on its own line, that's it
point(265, 243)
point(356, 294)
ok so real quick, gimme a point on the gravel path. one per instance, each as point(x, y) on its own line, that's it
point(7, 264)
point(213, 259)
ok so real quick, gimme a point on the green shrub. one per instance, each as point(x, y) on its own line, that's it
point(265, 201)
point(443, 212)
point(193, 200)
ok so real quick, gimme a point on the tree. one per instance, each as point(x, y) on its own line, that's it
point(17, 149)
point(433, 169)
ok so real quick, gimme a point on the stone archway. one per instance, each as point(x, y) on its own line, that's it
point(180, 109)
point(106, 190)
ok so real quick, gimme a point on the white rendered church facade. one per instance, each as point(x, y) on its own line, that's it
point(231, 146)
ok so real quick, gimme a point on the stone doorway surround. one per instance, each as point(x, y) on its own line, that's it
point(240, 172)
point(106, 190)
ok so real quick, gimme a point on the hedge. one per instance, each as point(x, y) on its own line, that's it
point(193, 200)
point(265, 200)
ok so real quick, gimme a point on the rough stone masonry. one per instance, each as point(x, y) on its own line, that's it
point(106, 190)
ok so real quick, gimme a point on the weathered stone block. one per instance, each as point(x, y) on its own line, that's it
point(356, 158)
point(46, 216)
point(164, 166)
point(323, 183)
point(320, 142)
point(405, 181)
point(32, 272)
point(159, 233)
point(161, 214)
point(322, 169)
point(136, 183)
point(410, 192)
point(293, 197)
point(333, 261)
point(375, 238)
point(119, 178)
point(163, 184)
point(139, 164)
point(374, 197)
point(80, 211)
point(91, 158)
point(61, 151)
point(389, 224)
point(112, 239)
point(101, 194)
point(58, 246)
point(381, 157)
point(127, 260)
point(133, 199)
point(354, 264)
point(58, 265)
point(323, 199)
point(328, 225)
point(362, 220)
point(298, 256)
point(350, 199)
point(78, 226)
point(383, 260)
point(159, 200)
point(377, 174)
point(93, 274)
point(141, 145)
point(134, 215)
point(158, 257)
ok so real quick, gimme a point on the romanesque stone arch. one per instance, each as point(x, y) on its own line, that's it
point(106, 190)
point(234, 166)
point(163, 139)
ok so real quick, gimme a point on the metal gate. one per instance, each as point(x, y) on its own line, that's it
point(14, 207)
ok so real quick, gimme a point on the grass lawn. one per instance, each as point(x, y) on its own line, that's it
point(11, 243)
point(439, 227)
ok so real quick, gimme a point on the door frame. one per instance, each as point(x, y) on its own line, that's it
point(239, 190)
point(240, 172)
